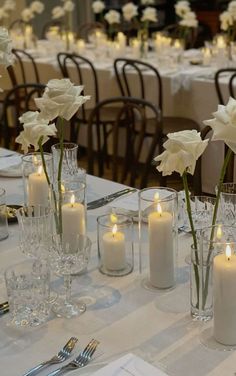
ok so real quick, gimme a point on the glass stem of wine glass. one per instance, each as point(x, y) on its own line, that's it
point(67, 285)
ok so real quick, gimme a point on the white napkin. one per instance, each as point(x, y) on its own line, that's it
point(131, 365)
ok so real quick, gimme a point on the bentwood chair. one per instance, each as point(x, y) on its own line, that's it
point(134, 78)
point(50, 24)
point(82, 72)
point(225, 80)
point(17, 101)
point(24, 70)
point(130, 153)
point(87, 29)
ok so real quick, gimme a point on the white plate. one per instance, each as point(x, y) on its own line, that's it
point(13, 172)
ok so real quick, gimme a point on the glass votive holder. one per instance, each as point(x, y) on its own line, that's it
point(115, 244)
point(28, 290)
point(36, 185)
point(158, 216)
point(69, 205)
point(3, 215)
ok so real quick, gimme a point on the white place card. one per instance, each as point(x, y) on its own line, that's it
point(129, 365)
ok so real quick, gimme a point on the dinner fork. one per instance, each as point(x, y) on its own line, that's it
point(62, 355)
point(80, 361)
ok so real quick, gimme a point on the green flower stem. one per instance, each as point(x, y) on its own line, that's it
point(188, 204)
point(47, 177)
point(61, 135)
point(219, 188)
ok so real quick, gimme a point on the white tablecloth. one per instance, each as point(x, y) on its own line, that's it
point(122, 314)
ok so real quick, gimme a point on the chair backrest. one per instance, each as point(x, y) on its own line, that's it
point(50, 24)
point(17, 101)
point(224, 89)
point(227, 87)
point(26, 73)
point(127, 135)
point(86, 30)
point(130, 78)
point(18, 24)
point(82, 72)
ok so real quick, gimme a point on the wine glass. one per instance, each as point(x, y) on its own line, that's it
point(67, 259)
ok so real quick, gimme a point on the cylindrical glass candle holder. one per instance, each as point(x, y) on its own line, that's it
point(3, 215)
point(68, 203)
point(36, 185)
point(158, 217)
point(115, 244)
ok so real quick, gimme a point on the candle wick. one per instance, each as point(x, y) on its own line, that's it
point(228, 258)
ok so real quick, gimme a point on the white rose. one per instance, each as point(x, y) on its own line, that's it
point(9, 5)
point(34, 127)
point(61, 98)
point(37, 7)
point(182, 151)
point(149, 14)
point(6, 57)
point(147, 2)
point(130, 10)
point(226, 20)
point(181, 8)
point(232, 9)
point(224, 124)
point(189, 20)
point(69, 6)
point(27, 15)
point(98, 6)
point(112, 17)
point(57, 12)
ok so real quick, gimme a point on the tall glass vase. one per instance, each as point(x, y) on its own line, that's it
point(210, 240)
point(143, 38)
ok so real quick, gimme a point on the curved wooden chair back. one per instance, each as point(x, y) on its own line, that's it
point(88, 28)
point(17, 101)
point(130, 78)
point(127, 138)
point(83, 69)
point(230, 74)
point(23, 58)
point(49, 24)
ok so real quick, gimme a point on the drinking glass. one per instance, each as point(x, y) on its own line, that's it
point(68, 260)
point(36, 226)
point(228, 203)
point(70, 167)
point(28, 289)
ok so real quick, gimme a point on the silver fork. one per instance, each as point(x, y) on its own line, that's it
point(62, 355)
point(80, 361)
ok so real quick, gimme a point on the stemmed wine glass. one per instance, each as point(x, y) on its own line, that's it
point(67, 259)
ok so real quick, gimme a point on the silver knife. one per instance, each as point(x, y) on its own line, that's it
point(105, 200)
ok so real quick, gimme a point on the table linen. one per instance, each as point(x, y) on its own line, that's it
point(121, 314)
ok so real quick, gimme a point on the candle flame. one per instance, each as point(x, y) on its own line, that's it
point(113, 218)
point(219, 232)
point(114, 230)
point(72, 200)
point(228, 251)
point(156, 197)
point(159, 209)
point(63, 188)
point(40, 170)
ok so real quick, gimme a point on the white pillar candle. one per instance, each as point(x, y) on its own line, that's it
point(73, 222)
point(80, 46)
point(161, 250)
point(224, 297)
point(114, 249)
point(38, 188)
